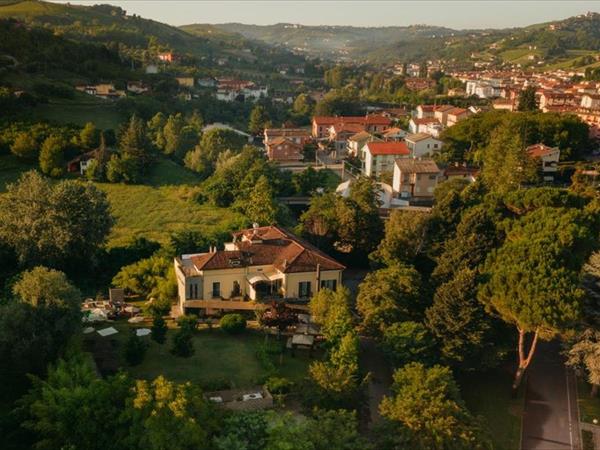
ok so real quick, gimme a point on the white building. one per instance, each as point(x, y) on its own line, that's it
point(422, 144)
point(380, 157)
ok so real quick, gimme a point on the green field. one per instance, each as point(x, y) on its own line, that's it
point(489, 396)
point(104, 115)
point(153, 210)
point(218, 357)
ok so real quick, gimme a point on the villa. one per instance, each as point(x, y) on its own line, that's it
point(260, 264)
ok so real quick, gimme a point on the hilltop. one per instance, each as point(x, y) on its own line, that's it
point(132, 35)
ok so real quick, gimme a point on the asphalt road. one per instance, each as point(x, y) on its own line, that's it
point(550, 420)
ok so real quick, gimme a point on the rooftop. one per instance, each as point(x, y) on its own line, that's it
point(409, 165)
point(388, 148)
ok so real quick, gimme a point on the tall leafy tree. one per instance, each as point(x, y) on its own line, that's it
point(261, 206)
point(463, 329)
point(527, 100)
point(387, 296)
point(259, 120)
point(533, 280)
point(66, 222)
point(52, 159)
point(135, 145)
point(426, 404)
point(25, 146)
point(584, 354)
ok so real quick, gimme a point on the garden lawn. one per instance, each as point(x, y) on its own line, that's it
point(104, 116)
point(218, 358)
point(489, 395)
point(589, 408)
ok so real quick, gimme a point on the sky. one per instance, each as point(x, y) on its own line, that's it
point(452, 14)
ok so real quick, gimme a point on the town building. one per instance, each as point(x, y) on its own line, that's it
point(548, 158)
point(260, 264)
point(422, 144)
point(415, 178)
point(373, 123)
point(284, 149)
point(380, 156)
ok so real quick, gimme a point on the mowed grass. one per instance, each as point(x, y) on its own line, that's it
point(218, 357)
point(589, 407)
point(489, 395)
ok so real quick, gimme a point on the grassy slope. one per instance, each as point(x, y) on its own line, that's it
point(589, 408)
point(153, 210)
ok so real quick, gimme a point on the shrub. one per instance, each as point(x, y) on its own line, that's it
point(159, 329)
point(279, 385)
point(233, 323)
point(182, 343)
point(188, 323)
point(135, 349)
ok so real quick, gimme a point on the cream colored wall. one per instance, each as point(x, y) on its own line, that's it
point(292, 279)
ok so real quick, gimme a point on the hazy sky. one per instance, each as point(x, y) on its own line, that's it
point(454, 14)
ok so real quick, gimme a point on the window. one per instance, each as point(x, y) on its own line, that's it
point(304, 289)
point(236, 292)
point(193, 290)
point(216, 289)
point(329, 284)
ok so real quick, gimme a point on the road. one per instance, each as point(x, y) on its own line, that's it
point(550, 420)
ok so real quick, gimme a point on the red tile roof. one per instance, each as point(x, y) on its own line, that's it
point(269, 245)
point(388, 148)
point(539, 150)
point(371, 119)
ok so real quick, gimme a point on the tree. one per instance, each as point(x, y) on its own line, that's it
point(25, 146)
point(506, 164)
point(319, 223)
point(159, 329)
point(261, 207)
point(67, 222)
point(533, 279)
point(476, 236)
point(172, 133)
point(404, 239)
point(303, 105)
point(584, 354)
point(233, 323)
point(43, 287)
point(174, 416)
point(89, 136)
point(144, 276)
point(259, 120)
point(332, 311)
point(135, 145)
point(73, 408)
point(387, 296)
point(182, 343)
point(405, 342)
point(135, 349)
point(458, 320)
point(426, 402)
point(359, 225)
point(335, 430)
point(527, 100)
point(52, 156)
point(243, 431)
point(156, 127)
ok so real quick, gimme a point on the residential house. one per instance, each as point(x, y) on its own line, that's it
point(415, 178)
point(548, 157)
point(422, 144)
point(187, 82)
point(284, 149)
point(300, 136)
point(341, 132)
point(137, 87)
point(260, 264)
point(106, 91)
point(419, 84)
point(427, 125)
point(455, 115)
point(441, 113)
point(373, 123)
point(380, 157)
point(553, 101)
point(167, 57)
point(356, 142)
point(394, 134)
point(461, 171)
point(590, 101)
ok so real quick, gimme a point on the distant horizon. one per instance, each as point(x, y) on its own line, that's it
point(458, 15)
